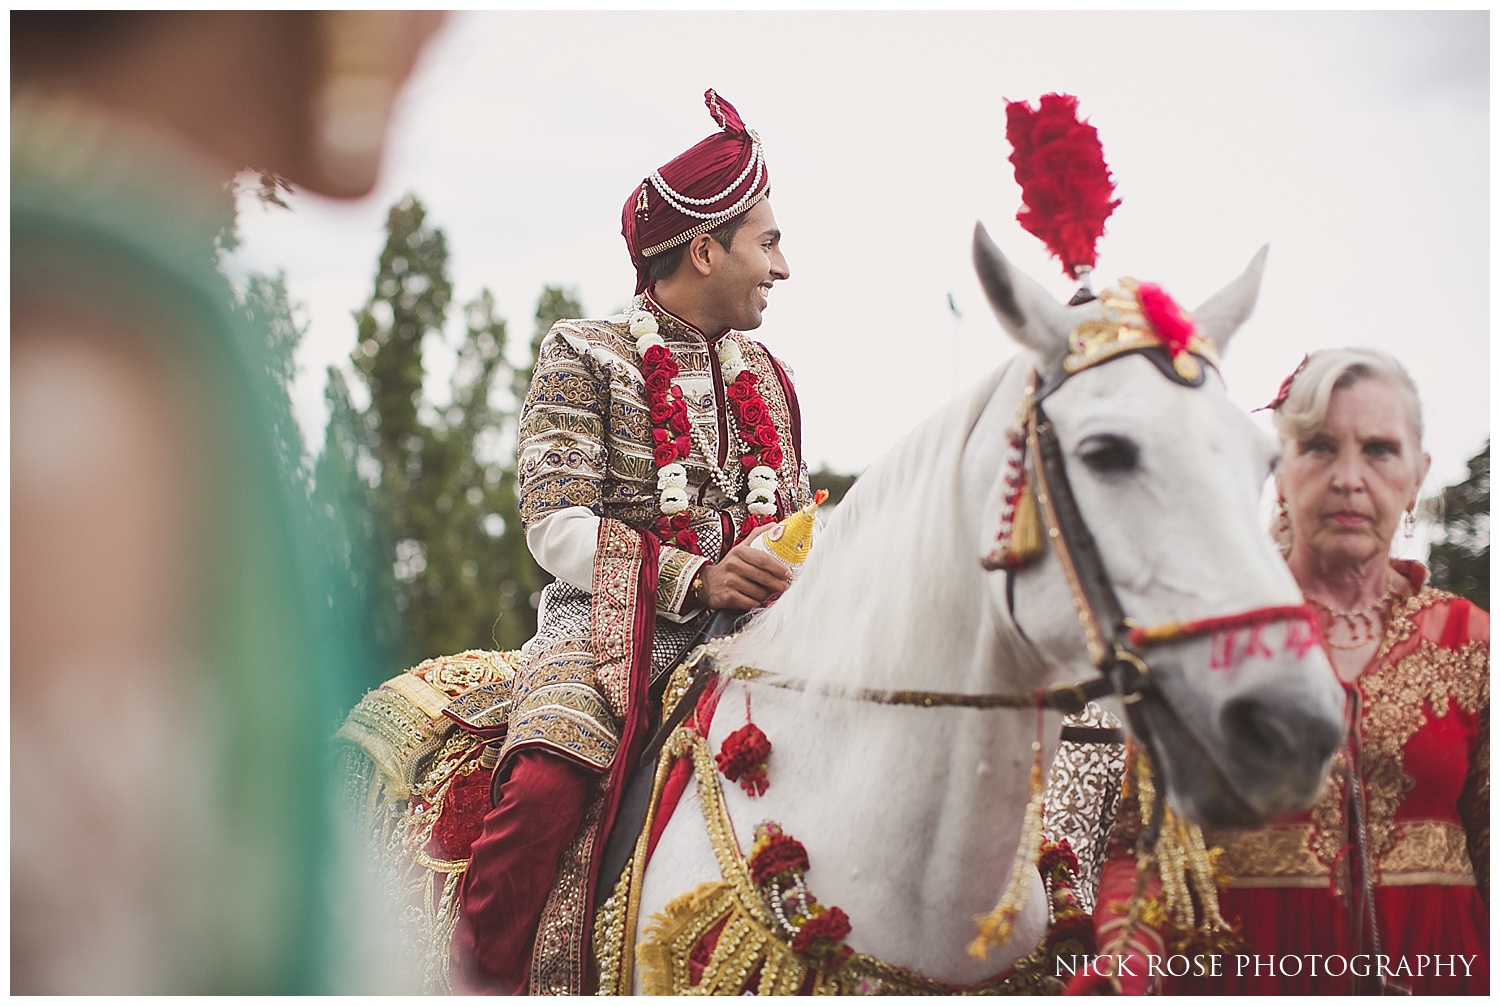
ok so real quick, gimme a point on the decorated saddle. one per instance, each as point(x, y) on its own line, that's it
point(417, 775)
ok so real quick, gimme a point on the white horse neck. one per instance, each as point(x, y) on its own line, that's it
point(892, 595)
point(911, 816)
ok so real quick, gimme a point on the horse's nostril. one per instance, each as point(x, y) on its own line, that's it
point(1254, 733)
point(1277, 735)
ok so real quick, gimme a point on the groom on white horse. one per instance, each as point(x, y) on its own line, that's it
point(652, 447)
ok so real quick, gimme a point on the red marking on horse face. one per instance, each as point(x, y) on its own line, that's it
point(1300, 637)
point(1256, 646)
point(1222, 654)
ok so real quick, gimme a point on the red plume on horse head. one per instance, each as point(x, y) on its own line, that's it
point(1064, 181)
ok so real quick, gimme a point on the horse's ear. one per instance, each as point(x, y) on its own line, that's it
point(1026, 311)
point(1223, 313)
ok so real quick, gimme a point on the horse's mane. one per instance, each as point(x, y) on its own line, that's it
point(893, 587)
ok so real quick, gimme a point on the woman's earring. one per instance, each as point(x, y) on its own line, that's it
point(1283, 519)
point(1409, 522)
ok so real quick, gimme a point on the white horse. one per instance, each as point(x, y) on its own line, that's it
point(911, 816)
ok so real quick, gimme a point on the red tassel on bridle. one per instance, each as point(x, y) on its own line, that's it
point(1064, 181)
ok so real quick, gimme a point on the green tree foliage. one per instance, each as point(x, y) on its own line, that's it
point(271, 311)
point(451, 554)
point(1460, 554)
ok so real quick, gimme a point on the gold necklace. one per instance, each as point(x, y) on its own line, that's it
point(1365, 624)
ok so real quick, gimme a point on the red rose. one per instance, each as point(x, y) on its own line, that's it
point(739, 391)
point(748, 461)
point(657, 355)
point(660, 436)
point(658, 380)
point(772, 456)
point(750, 377)
point(832, 925)
point(753, 413)
point(680, 421)
point(664, 454)
point(661, 412)
point(676, 391)
point(766, 435)
point(684, 446)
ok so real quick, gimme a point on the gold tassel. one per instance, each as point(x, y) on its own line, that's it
point(995, 928)
point(1187, 868)
point(1026, 528)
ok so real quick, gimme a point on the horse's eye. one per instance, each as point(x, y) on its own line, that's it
point(1106, 453)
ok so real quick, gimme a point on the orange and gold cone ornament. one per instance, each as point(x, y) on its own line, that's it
point(791, 540)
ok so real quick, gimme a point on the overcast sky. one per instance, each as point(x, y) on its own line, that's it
point(1356, 145)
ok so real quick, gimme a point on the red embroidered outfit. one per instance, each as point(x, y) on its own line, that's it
point(1419, 740)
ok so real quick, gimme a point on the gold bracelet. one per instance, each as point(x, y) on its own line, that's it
point(695, 589)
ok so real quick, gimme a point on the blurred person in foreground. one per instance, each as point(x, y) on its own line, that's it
point(174, 672)
point(1393, 859)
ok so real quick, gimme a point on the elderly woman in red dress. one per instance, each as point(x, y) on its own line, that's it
point(1385, 881)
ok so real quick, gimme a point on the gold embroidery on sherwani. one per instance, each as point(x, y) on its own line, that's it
point(586, 440)
point(1395, 700)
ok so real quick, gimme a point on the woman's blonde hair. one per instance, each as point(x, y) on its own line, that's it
point(1327, 370)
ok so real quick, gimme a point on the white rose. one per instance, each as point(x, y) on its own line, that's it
point(645, 342)
point(728, 351)
point(732, 369)
point(674, 481)
point(643, 323)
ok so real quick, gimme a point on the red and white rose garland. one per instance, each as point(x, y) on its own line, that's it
point(670, 433)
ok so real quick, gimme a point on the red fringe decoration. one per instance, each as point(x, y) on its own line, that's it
point(742, 758)
point(1170, 321)
point(1171, 632)
point(1064, 181)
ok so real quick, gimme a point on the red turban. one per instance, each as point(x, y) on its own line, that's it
point(695, 192)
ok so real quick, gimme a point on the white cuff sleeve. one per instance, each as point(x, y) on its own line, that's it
point(564, 544)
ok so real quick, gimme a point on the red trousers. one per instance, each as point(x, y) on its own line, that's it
point(511, 869)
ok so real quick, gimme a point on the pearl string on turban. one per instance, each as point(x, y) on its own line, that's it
point(712, 183)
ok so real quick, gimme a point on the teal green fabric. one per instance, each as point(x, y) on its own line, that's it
point(134, 247)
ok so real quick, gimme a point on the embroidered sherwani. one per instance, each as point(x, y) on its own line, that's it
point(612, 623)
point(585, 460)
point(1419, 744)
